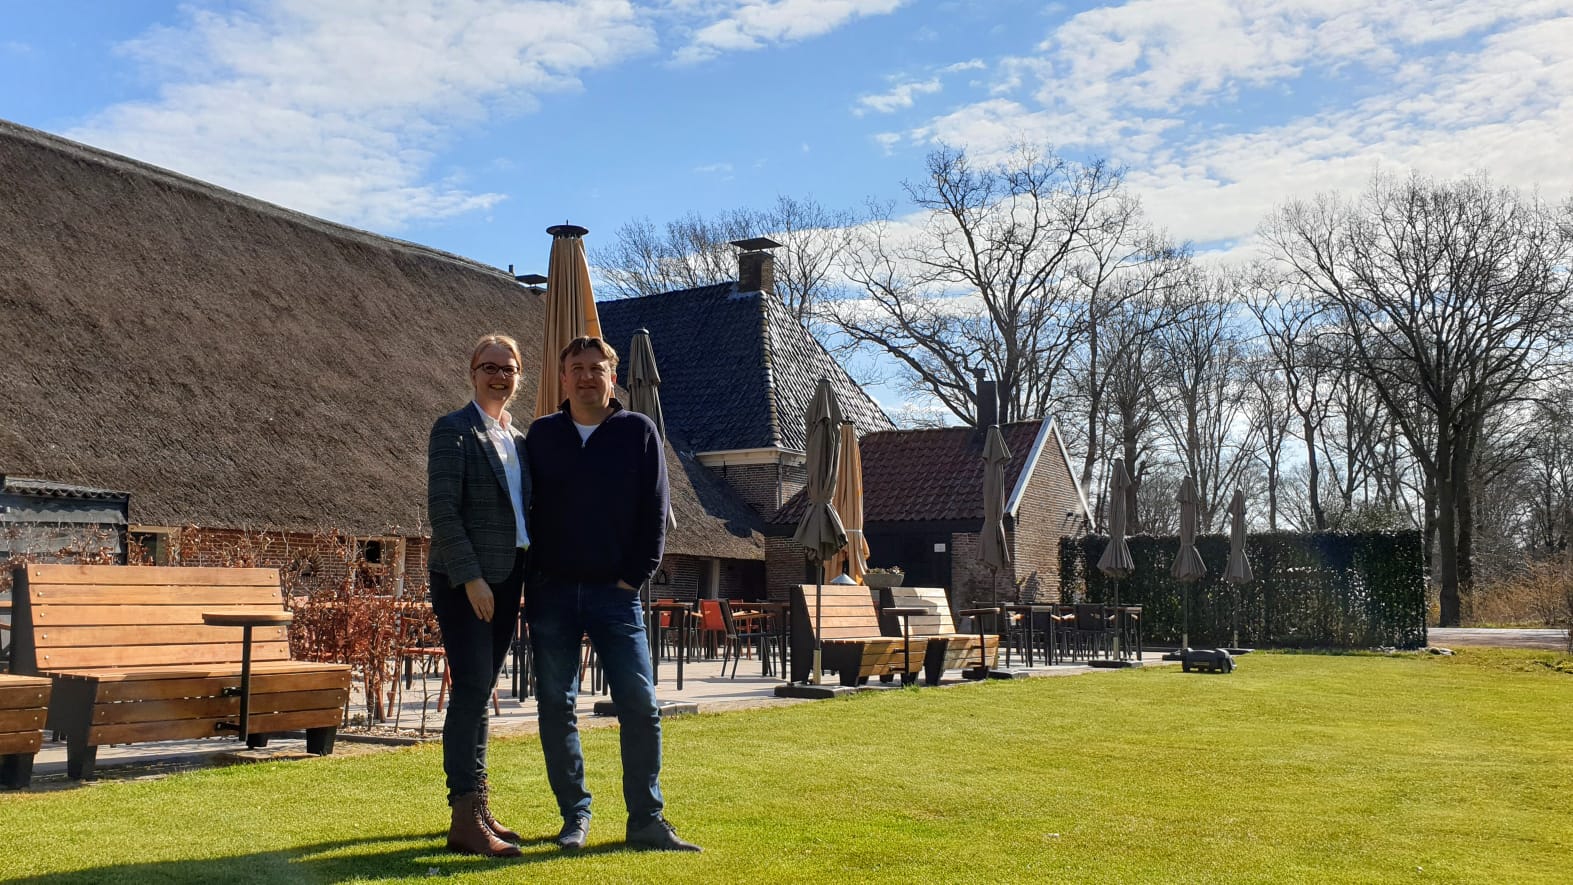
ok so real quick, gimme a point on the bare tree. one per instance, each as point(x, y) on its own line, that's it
point(1450, 296)
point(1201, 387)
point(987, 279)
point(696, 251)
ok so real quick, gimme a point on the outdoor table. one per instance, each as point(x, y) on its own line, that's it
point(680, 613)
point(983, 650)
point(1029, 610)
point(905, 613)
point(776, 613)
point(245, 619)
point(1125, 615)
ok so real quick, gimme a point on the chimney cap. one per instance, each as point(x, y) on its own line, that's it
point(567, 230)
point(756, 244)
point(531, 279)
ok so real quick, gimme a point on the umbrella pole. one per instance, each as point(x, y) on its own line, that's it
point(1185, 615)
point(819, 619)
point(1118, 623)
point(1234, 617)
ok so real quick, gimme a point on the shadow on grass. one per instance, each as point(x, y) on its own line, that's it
point(362, 860)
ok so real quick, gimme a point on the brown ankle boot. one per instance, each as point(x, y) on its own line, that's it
point(468, 834)
point(493, 823)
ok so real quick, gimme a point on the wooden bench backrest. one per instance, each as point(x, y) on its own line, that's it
point(91, 617)
point(848, 611)
point(937, 622)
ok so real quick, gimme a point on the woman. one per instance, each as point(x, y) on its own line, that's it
point(477, 495)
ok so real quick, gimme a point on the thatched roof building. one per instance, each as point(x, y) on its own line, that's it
point(233, 363)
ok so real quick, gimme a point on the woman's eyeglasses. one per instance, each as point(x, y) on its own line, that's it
point(494, 369)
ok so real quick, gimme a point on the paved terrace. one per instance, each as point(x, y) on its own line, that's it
point(703, 685)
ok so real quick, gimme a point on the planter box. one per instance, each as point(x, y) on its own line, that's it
point(883, 580)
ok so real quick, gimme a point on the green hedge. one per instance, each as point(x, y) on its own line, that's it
point(1321, 590)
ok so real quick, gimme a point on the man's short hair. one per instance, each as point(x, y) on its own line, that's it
point(588, 342)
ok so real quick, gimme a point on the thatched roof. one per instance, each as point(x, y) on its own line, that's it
point(226, 361)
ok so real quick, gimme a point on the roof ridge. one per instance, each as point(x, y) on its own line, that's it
point(119, 162)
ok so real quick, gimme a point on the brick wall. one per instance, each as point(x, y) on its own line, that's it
point(1050, 510)
point(759, 485)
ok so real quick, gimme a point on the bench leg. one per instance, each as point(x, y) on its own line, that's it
point(256, 741)
point(16, 770)
point(934, 661)
point(80, 756)
point(319, 741)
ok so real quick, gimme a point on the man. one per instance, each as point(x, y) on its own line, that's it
point(477, 495)
point(599, 514)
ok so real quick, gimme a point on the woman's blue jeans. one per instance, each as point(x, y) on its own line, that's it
point(559, 613)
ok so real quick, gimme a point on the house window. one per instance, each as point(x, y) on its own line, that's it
point(152, 545)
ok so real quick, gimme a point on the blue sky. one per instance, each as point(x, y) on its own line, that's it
point(471, 125)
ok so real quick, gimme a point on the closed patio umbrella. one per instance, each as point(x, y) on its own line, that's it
point(570, 311)
point(1238, 571)
point(1188, 565)
point(1116, 561)
point(993, 550)
point(848, 501)
point(644, 391)
point(820, 532)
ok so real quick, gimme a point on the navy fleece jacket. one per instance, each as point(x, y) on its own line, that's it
point(597, 509)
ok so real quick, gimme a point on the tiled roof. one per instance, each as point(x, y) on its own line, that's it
point(737, 371)
point(931, 474)
point(712, 520)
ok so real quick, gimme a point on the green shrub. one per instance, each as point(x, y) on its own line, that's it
point(1320, 590)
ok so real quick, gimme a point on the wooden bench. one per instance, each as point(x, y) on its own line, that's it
point(947, 649)
point(131, 659)
point(24, 705)
point(851, 641)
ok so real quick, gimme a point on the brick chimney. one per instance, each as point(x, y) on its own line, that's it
point(756, 265)
point(988, 401)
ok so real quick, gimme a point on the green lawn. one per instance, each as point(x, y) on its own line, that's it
point(1296, 768)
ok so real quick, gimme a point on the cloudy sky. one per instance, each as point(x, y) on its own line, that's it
point(471, 125)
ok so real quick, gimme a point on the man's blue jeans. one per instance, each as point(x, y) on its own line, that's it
point(559, 613)
point(475, 650)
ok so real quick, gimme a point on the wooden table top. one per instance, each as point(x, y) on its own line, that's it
point(241, 617)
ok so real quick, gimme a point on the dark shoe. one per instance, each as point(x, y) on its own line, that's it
point(468, 833)
point(574, 834)
point(659, 835)
point(493, 823)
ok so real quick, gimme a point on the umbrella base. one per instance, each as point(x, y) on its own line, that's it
point(813, 692)
point(667, 708)
point(1104, 664)
point(993, 673)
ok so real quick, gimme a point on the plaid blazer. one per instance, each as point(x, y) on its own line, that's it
point(472, 529)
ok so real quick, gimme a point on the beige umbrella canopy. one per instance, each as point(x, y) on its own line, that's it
point(993, 550)
point(570, 311)
point(1188, 565)
point(848, 501)
point(644, 391)
point(821, 532)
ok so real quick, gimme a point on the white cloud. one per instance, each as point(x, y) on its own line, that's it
point(14, 47)
point(901, 96)
point(723, 169)
point(1443, 87)
point(755, 24)
point(335, 108)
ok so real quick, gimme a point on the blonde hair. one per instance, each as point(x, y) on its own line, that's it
point(497, 339)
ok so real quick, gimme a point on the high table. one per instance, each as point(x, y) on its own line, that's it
point(244, 619)
point(905, 613)
point(680, 612)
